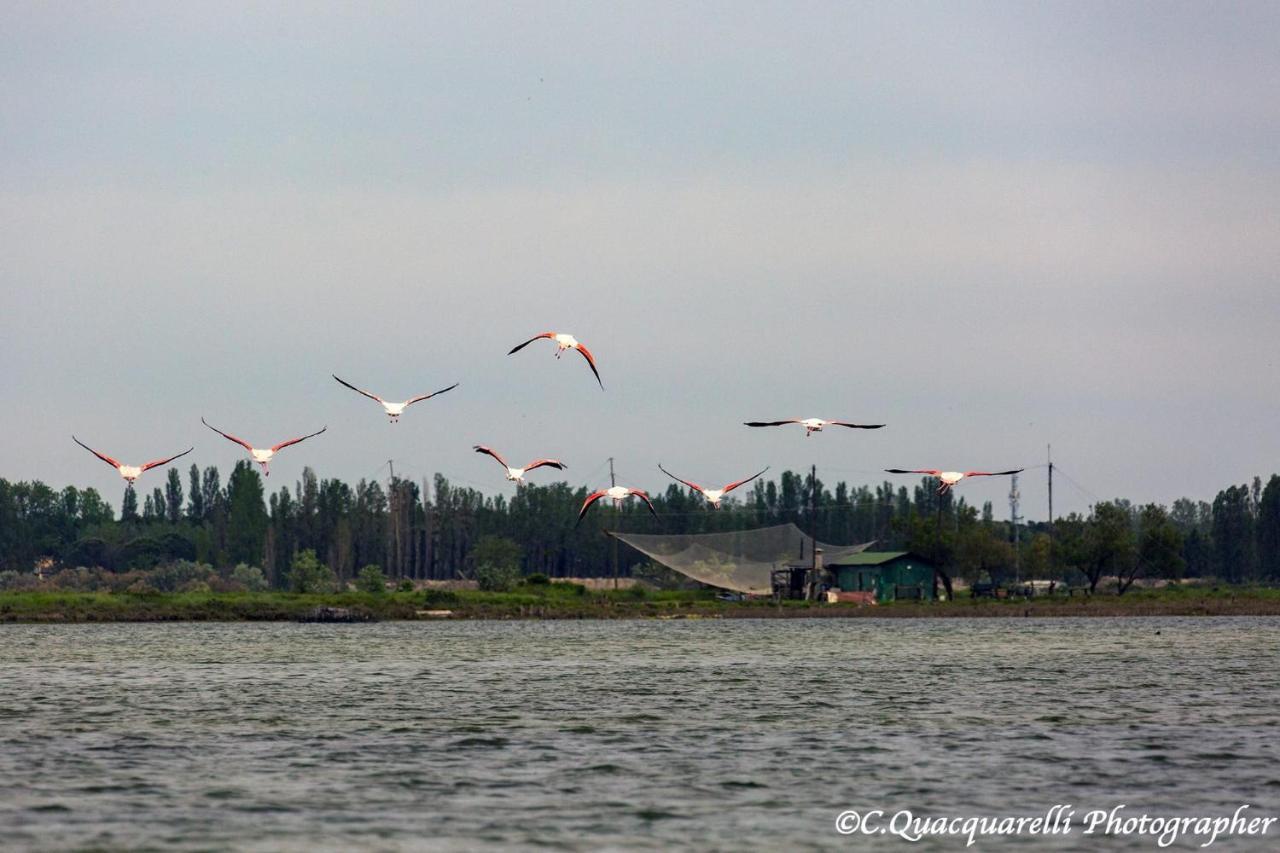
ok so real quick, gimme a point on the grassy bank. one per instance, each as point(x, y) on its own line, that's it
point(564, 601)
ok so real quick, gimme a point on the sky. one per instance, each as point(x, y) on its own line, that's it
point(993, 227)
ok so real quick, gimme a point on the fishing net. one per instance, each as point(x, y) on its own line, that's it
point(740, 560)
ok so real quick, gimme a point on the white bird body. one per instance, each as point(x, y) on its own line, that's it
point(394, 410)
point(812, 425)
point(262, 455)
point(713, 496)
point(130, 472)
point(516, 475)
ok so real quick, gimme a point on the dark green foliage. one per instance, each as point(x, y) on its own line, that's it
point(371, 579)
point(309, 575)
point(537, 579)
point(497, 563)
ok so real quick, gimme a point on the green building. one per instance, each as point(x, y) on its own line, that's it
point(892, 574)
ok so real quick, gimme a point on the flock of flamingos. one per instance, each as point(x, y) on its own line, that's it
point(264, 455)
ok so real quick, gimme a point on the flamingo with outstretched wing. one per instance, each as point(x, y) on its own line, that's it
point(394, 410)
point(516, 475)
point(812, 425)
point(564, 342)
point(713, 496)
point(130, 472)
point(262, 456)
point(950, 478)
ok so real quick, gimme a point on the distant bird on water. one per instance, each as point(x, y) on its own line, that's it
point(713, 496)
point(564, 342)
point(516, 475)
point(812, 425)
point(617, 494)
point(950, 478)
point(130, 472)
point(395, 410)
point(260, 455)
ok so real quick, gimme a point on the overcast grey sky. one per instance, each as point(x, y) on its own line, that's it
point(991, 226)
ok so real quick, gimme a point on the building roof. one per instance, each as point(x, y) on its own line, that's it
point(869, 558)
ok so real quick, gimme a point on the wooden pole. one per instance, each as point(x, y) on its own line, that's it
point(617, 522)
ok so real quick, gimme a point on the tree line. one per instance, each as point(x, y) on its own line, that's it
point(429, 530)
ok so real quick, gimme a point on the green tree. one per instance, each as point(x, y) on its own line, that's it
point(173, 496)
point(1268, 529)
point(1233, 534)
point(308, 574)
point(246, 515)
point(129, 505)
point(371, 579)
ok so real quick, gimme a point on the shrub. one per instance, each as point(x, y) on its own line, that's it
point(405, 585)
point(440, 596)
point(537, 579)
point(493, 578)
point(249, 577)
point(497, 563)
point(371, 579)
point(14, 581)
point(177, 575)
point(308, 574)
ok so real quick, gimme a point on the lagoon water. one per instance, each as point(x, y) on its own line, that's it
point(735, 734)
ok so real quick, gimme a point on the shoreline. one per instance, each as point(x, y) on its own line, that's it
point(549, 603)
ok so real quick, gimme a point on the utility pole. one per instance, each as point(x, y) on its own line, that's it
point(813, 500)
point(1050, 452)
point(1013, 517)
point(617, 522)
point(395, 518)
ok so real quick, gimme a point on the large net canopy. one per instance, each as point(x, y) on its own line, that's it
point(740, 560)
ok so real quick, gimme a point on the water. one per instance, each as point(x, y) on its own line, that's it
point(658, 735)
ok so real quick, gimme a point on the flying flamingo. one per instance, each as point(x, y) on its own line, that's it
point(713, 496)
point(950, 478)
point(617, 494)
point(395, 410)
point(812, 425)
point(516, 475)
point(261, 456)
point(130, 472)
point(564, 342)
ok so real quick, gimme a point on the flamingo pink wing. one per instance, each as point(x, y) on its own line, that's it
point(104, 457)
point(693, 486)
point(517, 349)
point(991, 473)
point(591, 498)
point(586, 353)
point(931, 471)
point(480, 448)
point(357, 390)
point(422, 397)
point(285, 444)
point(645, 497)
point(736, 483)
point(240, 441)
point(550, 463)
point(158, 462)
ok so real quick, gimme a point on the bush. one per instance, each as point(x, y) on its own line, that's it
point(180, 574)
point(308, 574)
point(371, 579)
point(249, 577)
point(492, 578)
point(436, 597)
point(497, 563)
point(538, 579)
point(405, 585)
